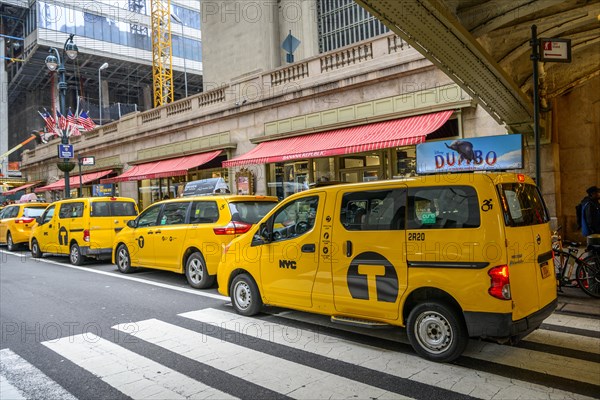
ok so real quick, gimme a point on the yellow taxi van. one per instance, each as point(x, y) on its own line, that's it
point(447, 256)
point(16, 221)
point(187, 235)
point(81, 227)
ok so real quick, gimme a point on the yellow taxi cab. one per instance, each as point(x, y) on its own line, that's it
point(446, 256)
point(16, 221)
point(187, 235)
point(81, 227)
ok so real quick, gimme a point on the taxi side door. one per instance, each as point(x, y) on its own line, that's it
point(169, 237)
point(45, 233)
point(142, 241)
point(369, 270)
point(290, 260)
point(7, 214)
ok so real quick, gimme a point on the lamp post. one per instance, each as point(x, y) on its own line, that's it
point(180, 22)
point(102, 67)
point(55, 63)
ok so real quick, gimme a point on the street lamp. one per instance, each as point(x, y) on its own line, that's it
point(55, 63)
point(102, 67)
point(180, 22)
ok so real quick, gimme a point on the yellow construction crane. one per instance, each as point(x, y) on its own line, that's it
point(162, 53)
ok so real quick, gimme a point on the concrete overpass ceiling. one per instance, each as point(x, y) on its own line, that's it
point(484, 46)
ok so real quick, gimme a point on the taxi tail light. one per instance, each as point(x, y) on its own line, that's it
point(233, 228)
point(500, 282)
point(24, 220)
point(86, 235)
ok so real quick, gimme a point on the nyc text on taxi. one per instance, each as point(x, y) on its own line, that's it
point(447, 256)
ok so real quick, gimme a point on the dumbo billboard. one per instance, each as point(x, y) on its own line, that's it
point(487, 153)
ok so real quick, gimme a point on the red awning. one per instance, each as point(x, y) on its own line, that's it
point(355, 139)
point(73, 181)
point(15, 190)
point(164, 168)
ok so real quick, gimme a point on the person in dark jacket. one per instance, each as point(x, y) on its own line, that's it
point(590, 212)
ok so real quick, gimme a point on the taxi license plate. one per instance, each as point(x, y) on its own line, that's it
point(545, 270)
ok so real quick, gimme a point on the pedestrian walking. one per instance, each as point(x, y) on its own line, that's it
point(588, 212)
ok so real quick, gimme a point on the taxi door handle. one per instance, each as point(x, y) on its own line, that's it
point(157, 232)
point(50, 226)
point(348, 248)
point(150, 233)
point(308, 248)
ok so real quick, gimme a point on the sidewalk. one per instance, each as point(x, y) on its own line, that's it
point(574, 301)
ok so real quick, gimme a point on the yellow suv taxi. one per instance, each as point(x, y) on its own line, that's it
point(187, 235)
point(81, 227)
point(446, 256)
point(16, 221)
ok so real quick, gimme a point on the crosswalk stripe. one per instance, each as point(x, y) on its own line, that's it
point(132, 374)
point(458, 379)
point(20, 379)
point(565, 340)
point(279, 375)
point(572, 321)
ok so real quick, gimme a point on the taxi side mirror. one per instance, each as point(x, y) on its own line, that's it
point(132, 223)
point(39, 220)
point(263, 235)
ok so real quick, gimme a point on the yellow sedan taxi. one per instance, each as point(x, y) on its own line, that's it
point(187, 235)
point(16, 221)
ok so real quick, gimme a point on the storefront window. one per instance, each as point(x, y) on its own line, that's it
point(286, 179)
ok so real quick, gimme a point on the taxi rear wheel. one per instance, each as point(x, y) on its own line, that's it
point(35, 249)
point(124, 260)
point(10, 245)
point(437, 332)
point(75, 255)
point(196, 272)
point(245, 296)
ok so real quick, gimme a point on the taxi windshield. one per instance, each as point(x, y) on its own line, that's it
point(250, 211)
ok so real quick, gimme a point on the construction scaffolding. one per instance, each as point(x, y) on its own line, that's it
point(162, 53)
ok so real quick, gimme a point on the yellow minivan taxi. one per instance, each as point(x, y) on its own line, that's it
point(81, 227)
point(446, 256)
point(16, 221)
point(187, 235)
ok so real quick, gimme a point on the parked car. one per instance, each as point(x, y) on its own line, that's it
point(446, 256)
point(187, 235)
point(16, 221)
point(81, 227)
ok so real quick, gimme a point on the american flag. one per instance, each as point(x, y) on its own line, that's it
point(50, 123)
point(62, 121)
point(72, 123)
point(86, 121)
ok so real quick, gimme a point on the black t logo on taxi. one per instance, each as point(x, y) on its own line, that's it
point(369, 266)
point(63, 236)
point(141, 242)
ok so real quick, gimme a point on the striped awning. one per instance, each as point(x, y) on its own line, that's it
point(355, 139)
point(164, 168)
point(16, 189)
point(73, 181)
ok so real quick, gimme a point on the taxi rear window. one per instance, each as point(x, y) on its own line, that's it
point(250, 211)
point(113, 208)
point(33, 212)
point(522, 205)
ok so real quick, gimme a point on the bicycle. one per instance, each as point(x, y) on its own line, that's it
point(566, 262)
point(589, 280)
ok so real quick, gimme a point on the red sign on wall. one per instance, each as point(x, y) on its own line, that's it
point(555, 50)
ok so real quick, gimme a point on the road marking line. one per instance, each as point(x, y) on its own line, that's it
point(20, 378)
point(274, 373)
point(129, 278)
point(572, 321)
point(132, 374)
point(564, 340)
point(445, 376)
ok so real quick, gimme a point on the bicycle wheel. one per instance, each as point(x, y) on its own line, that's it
point(565, 264)
point(588, 275)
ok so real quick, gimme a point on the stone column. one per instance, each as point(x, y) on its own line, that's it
point(3, 110)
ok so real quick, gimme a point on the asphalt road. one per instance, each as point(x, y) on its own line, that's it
point(91, 332)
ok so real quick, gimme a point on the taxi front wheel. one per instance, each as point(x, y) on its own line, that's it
point(437, 332)
point(123, 260)
point(245, 296)
point(196, 273)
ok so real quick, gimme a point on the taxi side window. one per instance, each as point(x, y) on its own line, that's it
point(443, 207)
point(374, 210)
point(48, 214)
point(71, 210)
point(204, 212)
point(295, 219)
point(10, 212)
point(149, 217)
point(174, 213)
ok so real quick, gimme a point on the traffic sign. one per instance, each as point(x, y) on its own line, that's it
point(555, 50)
point(90, 160)
point(65, 151)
